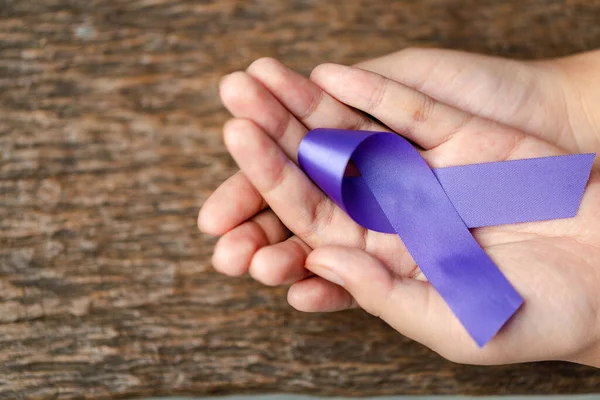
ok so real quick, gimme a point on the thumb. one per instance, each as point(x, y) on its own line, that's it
point(481, 85)
point(413, 308)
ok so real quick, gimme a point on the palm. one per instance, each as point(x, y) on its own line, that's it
point(454, 127)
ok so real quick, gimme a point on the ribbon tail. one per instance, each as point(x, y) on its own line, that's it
point(517, 191)
point(420, 212)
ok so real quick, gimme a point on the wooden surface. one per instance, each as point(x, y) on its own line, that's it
point(110, 142)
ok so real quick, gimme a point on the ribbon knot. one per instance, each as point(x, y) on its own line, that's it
point(432, 210)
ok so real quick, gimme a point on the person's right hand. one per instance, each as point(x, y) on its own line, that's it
point(451, 135)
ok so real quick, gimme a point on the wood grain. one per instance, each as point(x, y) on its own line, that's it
point(110, 142)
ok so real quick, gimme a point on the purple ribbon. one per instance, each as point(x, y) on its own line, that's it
point(432, 209)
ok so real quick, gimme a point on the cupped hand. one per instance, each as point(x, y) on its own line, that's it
point(460, 109)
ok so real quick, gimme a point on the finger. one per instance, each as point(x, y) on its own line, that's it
point(311, 105)
point(300, 205)
point(469, 139)
point(513, 93)
point(234, 201)
point(235, 249)
point(303, 208)
point(406, 111)
point(412, 307)
point(316, 294)
point(281, 263)
point(246, 98)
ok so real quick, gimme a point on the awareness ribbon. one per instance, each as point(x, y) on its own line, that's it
point(432, 210)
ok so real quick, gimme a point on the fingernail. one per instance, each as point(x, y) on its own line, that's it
point(326, 274)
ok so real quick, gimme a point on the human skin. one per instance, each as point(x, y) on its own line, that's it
point(459, 108)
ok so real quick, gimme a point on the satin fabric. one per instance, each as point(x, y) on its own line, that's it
point(432, 210)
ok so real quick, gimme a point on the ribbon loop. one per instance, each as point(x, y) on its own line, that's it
point(397, 192)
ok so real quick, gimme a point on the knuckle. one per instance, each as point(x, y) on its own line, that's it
point(423, 109)
point(282, 127)
point(318, 216)
point(277, 176)
point(378, 94)
point(313, 104)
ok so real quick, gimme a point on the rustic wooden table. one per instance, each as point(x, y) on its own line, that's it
point(110, 142)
